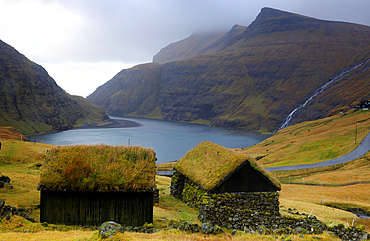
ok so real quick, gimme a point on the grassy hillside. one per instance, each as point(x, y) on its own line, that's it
point(313, 141)
point(32, 102)
point(250, 79)
point(10, 133)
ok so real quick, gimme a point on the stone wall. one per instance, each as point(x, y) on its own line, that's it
point(182, 188)
point(253, 212)
point(177, 185)
point(262, 222)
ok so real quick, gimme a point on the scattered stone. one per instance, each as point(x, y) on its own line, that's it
point(22, 212)
point(8, 185)
point(110, 229)
point(206, 228)
point(217, 230)
point(233, 233)
point(128, 228)
point(4, 178)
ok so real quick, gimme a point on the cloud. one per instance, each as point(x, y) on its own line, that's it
point(43, 30)
point(82, 76)
point(57, 33)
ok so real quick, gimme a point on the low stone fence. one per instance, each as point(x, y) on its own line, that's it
point(261, 202)
point(261, 222)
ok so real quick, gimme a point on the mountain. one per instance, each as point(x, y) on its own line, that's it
point(196, 44)
point(32, 102)
point(250, 78)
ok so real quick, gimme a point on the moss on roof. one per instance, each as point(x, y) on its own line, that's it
point(208, 164)
point(99, 168)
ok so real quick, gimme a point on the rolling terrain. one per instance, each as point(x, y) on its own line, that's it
point(32, 102)
point(251, 78)
point(21, 162)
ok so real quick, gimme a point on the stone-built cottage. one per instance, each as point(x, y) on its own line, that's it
point(226, 185)
point(216, 169)
point(88, 185)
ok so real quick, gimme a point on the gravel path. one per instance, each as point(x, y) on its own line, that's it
point(361, 150)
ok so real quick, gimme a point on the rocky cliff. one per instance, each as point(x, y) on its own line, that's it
point(250, 78)
point(32, 102)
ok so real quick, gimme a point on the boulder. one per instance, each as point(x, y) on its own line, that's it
point(206, 228)
point(110, 229)
point(4, 178)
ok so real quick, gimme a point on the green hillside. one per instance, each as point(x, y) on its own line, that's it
point(32, 102)
point(249, 79)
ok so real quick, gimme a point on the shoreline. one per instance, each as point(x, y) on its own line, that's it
point(108, 123)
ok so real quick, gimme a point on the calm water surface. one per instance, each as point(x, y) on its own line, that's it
point(169, 140)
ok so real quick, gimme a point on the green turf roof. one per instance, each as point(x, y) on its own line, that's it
point(99, 168)
point(208, 164)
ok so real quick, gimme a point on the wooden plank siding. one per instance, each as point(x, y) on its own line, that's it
point(245, 179)
point(94, 208)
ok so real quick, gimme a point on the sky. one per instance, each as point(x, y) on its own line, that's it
point(82, 44)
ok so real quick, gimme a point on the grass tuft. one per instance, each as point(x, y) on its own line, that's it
point(99, 168)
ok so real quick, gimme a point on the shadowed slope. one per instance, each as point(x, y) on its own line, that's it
point(32, 102)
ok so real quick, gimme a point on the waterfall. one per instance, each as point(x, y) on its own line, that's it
point(319, 91)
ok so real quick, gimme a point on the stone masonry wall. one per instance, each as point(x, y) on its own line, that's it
point(253, 212)
point(177, 185)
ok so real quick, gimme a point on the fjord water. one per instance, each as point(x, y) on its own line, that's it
point(170, 140)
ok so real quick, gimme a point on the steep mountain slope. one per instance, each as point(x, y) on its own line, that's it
point(32, 102)
point(135, 90)
point(197, 44)
point(249, 80)
point(347, 89)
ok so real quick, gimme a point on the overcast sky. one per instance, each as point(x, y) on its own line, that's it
point(84, 43)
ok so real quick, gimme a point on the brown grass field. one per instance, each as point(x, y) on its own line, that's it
point(339, 185)
point(10, 133)
point(313, 141)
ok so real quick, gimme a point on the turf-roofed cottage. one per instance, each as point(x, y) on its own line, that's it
point(221, 181)
point(91, 184)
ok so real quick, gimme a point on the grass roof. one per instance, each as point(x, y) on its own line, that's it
point(208, 164)
point(99, 168)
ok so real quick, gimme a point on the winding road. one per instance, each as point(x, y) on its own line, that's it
point(360, 150)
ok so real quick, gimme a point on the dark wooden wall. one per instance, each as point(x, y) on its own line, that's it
point(94, 208)
point(245, 179)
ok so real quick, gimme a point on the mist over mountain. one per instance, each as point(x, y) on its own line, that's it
point(250, 78)
point(32, 102)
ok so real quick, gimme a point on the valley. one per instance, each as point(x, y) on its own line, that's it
point(296, 78)
point(296, 196)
